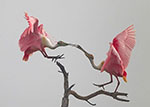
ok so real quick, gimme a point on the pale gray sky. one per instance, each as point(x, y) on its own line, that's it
point(91, 23)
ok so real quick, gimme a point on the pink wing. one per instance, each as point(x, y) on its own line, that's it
point(113, 63)
point(28, 40)
point(33, 22)
point(28, 36)
point(124, 43)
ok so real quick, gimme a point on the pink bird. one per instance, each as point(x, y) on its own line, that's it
point(34, 38)
point(117, 57)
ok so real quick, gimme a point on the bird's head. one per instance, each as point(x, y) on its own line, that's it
point(90, 56)
point(61, 43)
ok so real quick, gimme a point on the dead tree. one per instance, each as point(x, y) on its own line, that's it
point(68, 91)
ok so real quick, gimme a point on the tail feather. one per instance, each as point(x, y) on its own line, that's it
point(26, 57)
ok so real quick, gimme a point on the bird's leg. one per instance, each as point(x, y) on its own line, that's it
point(117, 84)
point(43, 53)
point(102, 85)
point(54, 58)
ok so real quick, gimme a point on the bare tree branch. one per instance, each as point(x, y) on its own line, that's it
point(65, 99)
point(99, 92)
point(68, 91)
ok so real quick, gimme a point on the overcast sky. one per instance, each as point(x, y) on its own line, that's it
point(90, 23)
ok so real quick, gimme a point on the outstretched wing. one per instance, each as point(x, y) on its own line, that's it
point(113, 63)
point(28, 36)
point(124, 43)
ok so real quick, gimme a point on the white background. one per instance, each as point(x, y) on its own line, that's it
point(90, 23)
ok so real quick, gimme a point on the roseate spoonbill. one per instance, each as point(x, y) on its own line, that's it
point(117, 57)
point(34, 38)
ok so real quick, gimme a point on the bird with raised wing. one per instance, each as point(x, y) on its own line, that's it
point(117, 57)
point(34, 38)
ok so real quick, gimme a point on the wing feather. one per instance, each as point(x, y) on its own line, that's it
point(124, 43)
point(28, 36)
point(113, 63)
point(33, 23)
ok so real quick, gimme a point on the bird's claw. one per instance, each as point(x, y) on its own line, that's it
point(57, 57)
point(115, 93)
point(102, 85)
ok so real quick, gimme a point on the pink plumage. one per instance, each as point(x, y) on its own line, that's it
point(119, 54)
point(124, 43)
point(113, 64)
point(31, 39)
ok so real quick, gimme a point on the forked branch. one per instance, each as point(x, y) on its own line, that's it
point(68, 91)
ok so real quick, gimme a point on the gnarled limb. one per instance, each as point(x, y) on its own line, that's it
point(65, 99)
point(68, 91)
point(100, 92)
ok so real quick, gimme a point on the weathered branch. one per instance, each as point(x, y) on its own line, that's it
point(68, 91)
point(65, 99)
point(99, 92)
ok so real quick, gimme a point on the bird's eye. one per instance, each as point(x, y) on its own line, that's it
point(59, 43)
point(92, 57)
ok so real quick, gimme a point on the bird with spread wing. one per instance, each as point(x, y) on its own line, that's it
point(118, 56)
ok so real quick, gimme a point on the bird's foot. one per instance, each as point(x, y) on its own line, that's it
point(115, 95)
point(57, 57)
point(102, 85)
point(116, 91)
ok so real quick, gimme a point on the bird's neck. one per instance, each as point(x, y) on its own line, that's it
point(52, 46)
point(95, 66)
point(46, 43)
